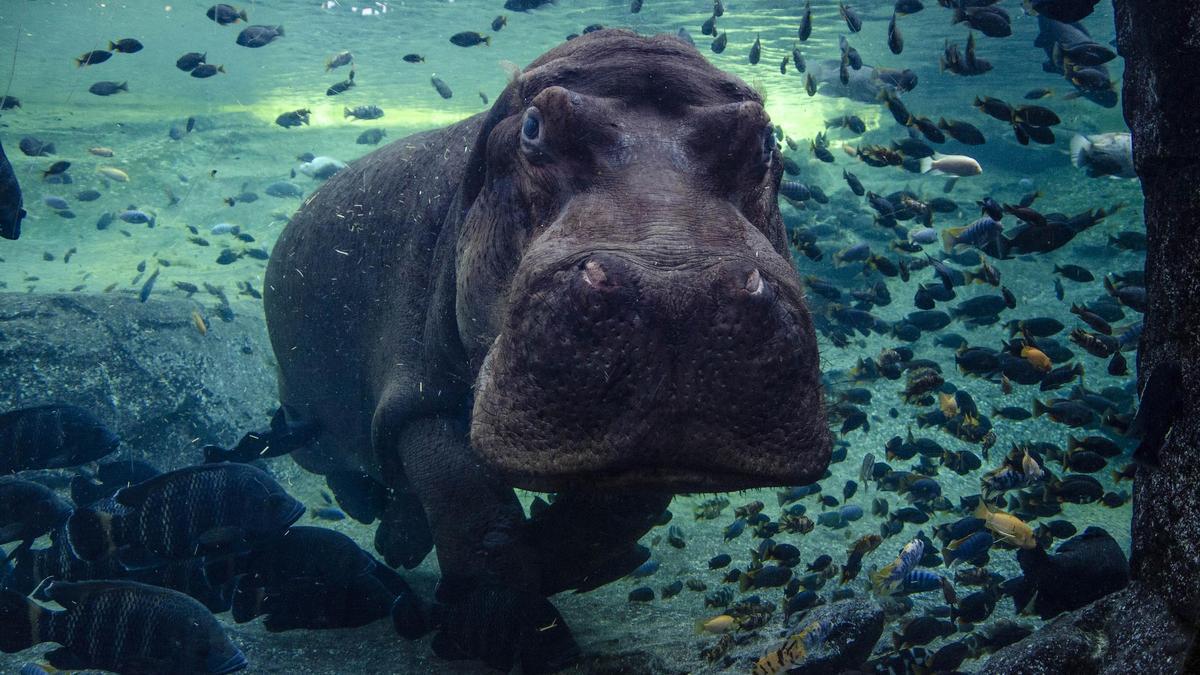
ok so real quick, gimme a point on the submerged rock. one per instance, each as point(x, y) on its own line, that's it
point(143, 368)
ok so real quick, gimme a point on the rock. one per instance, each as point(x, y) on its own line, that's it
point(1160, 43)
point(143, 368)
point(1083, 569)
point(855, 626)
point(1130, 631)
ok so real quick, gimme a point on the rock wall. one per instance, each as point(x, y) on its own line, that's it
point(1160, 40)
point(144, 368)
point(1150, 627)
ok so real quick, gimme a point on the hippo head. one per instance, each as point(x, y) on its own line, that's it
point(624, 288)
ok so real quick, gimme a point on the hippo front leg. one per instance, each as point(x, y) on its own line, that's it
point(491, 606)
point(587, 539)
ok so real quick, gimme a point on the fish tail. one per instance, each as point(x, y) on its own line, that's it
point(279, 30)
point(948, 555)
point(220, 69)
point(20, 621)
point(242, 15)
point(1039, 408)
point(950, 234)
point(345, 112)
point(1108, 284)
point(124, 86)
point(78, 63)
point(111, 45)
point(959, 16)
point(90, 534)
point(488, 41)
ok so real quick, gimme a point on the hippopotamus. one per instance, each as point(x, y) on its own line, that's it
point(586, 290)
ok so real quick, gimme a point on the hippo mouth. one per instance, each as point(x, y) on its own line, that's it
point(596, 386)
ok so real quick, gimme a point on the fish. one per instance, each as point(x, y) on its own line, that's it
point(206, 70)
point(853, 23)
point(755, 51)
point(148, 286)
point(201, 509)
point(125, 46)
point(1007, 527)
point(106, 88)
point(341, 87)
point(93, 57)
point(363, 112)
point(9, 102)
point(189, 61)
point(259, 36)
point(322, 168)
point(311, 577)
point(1108, 154)
point(29, 510)
point(889, 577)
point(501, 21)
point(722, 623)
point(951, 165)
point(225, 14)
point(962, 132)
point(1066, 11)
point(111, 624)
point(441, 87)
point(413, 58)
point(470, 39)
point(108, 478)
point(526, 5)
point(113, 173)
point(794, 649)
point(719, 42)
point(895, 39)
point(52, 436)
point(338, 60)
point(293, 118)
point(989, 20)
point(12, 203)
point(286, 434)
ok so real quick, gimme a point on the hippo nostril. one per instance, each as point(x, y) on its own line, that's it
point(754, 282)
point(593, 274)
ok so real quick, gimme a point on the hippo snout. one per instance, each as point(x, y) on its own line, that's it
point(619, 369)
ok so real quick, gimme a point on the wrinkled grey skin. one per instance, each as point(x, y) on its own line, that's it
point(606, 309)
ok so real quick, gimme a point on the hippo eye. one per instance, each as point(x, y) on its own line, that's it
point(531, 128)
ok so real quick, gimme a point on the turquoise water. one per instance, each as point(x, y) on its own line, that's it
point(235, 147)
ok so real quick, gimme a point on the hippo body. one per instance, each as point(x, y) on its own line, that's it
point(585, 290)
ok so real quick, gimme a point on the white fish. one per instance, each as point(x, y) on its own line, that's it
point(224, 228)
point(953, 165)
point(1109, 154)
point(321, 168)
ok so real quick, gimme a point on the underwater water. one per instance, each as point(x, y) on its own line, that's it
point(1013, 395)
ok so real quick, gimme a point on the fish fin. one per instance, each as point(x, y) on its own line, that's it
point(1080, 146)
point(20, 620)
point(11, 533)
point(222, 541)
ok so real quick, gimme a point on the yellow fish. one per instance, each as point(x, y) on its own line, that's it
point(101, 151)
point(722, 623)
point(1007, 527)
point(113, 173)
point(198, 321)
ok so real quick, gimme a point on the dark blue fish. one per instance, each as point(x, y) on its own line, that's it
point(11, 203)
